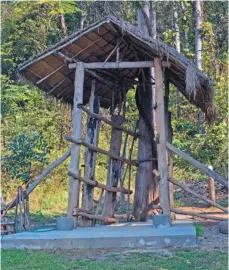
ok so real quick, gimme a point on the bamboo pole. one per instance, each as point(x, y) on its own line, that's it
point(198, 165)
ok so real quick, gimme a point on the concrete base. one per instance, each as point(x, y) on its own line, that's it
point(118, 235)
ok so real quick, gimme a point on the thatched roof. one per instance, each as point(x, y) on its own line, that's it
point(50, 71)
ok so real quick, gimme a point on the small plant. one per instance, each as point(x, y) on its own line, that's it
point(178, 204)
point(199, 229)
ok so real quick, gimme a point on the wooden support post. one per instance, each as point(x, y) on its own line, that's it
point(113, 167)
point(74, 185)
point(144, 172)
point(92, 137)
point(161, 146)
point(169, 136)
point(211, 187)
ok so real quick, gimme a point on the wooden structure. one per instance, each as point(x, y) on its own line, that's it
point(98, 65)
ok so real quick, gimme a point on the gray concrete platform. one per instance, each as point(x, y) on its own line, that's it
point(127, 235)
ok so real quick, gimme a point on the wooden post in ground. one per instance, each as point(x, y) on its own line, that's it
point(92, 137)
point(74, 185)
point(169, 136)
point(211, 186)
point(113, 167)
point(144, 171)
point(144, 174)
point(161, 136)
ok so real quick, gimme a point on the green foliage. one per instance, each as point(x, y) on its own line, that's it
point(22, 152)
point(199, 229)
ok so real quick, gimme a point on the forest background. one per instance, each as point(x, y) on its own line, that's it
point(33, 125)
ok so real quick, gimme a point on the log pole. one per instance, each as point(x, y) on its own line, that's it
point(211, 187)
point(74, 185)
point(161, 146)
point(92, 137)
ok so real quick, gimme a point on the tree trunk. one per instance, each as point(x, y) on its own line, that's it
point(113, 167)
point(198, 51)
point(63, 26)
point(147, 23)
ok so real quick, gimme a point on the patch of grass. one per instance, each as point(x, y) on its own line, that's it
point(178, 204)
point(183, 259)
point(199, 229)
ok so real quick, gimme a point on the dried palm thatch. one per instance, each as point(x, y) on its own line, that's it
point(50, 71)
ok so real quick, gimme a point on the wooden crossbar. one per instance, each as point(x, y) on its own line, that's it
point(198, 165)
point(98, 185)
point(114, 65)
point(99, 150)
point(107, 121)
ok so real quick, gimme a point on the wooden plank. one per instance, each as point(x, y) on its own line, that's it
point(107, 121)
point(114, 65)
point(92, 136)
point(74, 185)
point(198, 165)
point(203, 198)
point(113, 166)
point(97, 184)
point(161, 146)
point(211, 187)
point(97, 149)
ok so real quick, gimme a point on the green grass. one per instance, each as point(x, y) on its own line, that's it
point(178, 260)
point(199, 229)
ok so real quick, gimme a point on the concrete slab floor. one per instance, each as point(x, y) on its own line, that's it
point(107, 236)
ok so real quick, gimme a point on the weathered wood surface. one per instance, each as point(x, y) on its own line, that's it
point(41, 177)
point(92, 136)
point(97, 149)
point(169, 136)
point(211, 187)
point(74, 185)
point(107, 121)
point(203, 198)
point(113, 166)
point(161, 146)
point(198, 165)
point(182, 212)
point(144, 172)
point(114, 65)
point(105, 220)
point(98, 185)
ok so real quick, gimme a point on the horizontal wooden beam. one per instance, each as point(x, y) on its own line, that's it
point(98, 185)
point(107, 121)
point(114, 65)
point(198, 165)
point(99, 150)
point(202, 198)
point(182, 212)
point(106, 220)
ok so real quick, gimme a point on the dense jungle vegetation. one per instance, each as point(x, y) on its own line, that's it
point(33, 125)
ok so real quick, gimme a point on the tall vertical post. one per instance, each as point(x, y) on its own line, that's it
point(113, 167)
point(92, 137)
point(169, 138)
point(74, 185)
point(161, 135)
